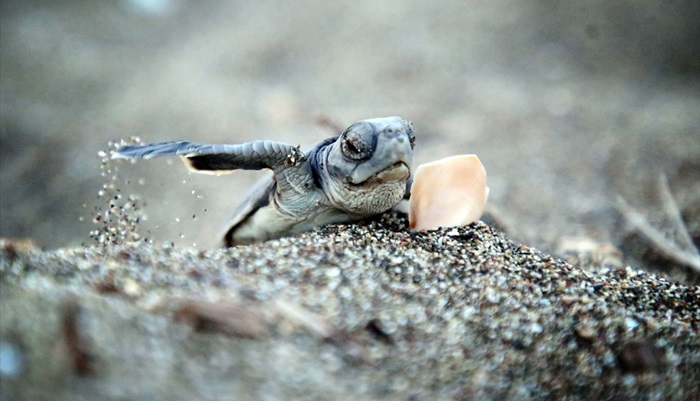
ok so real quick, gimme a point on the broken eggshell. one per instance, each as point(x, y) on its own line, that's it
point(448, 192)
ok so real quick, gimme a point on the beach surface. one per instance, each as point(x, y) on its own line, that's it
point(362, 311)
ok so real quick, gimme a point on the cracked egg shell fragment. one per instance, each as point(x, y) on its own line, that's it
point(448, 192)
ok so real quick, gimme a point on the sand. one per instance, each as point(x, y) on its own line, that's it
point(362, 311)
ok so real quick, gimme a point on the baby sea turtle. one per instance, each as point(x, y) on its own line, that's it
point(363, 172)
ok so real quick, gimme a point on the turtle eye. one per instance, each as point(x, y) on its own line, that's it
point(356, 146)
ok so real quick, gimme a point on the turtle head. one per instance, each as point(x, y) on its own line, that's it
point(365, 170)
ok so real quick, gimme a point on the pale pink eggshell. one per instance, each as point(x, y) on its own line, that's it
point(448, 192)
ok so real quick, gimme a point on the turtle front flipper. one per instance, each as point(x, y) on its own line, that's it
point(205, 158)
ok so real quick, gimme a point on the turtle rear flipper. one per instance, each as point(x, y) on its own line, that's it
point(205, 158)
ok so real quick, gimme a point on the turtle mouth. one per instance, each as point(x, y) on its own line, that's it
point(398, 171)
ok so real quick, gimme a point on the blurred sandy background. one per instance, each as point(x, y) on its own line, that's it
point(567, 104)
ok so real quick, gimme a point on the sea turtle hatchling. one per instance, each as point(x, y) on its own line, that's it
point(363, 172)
